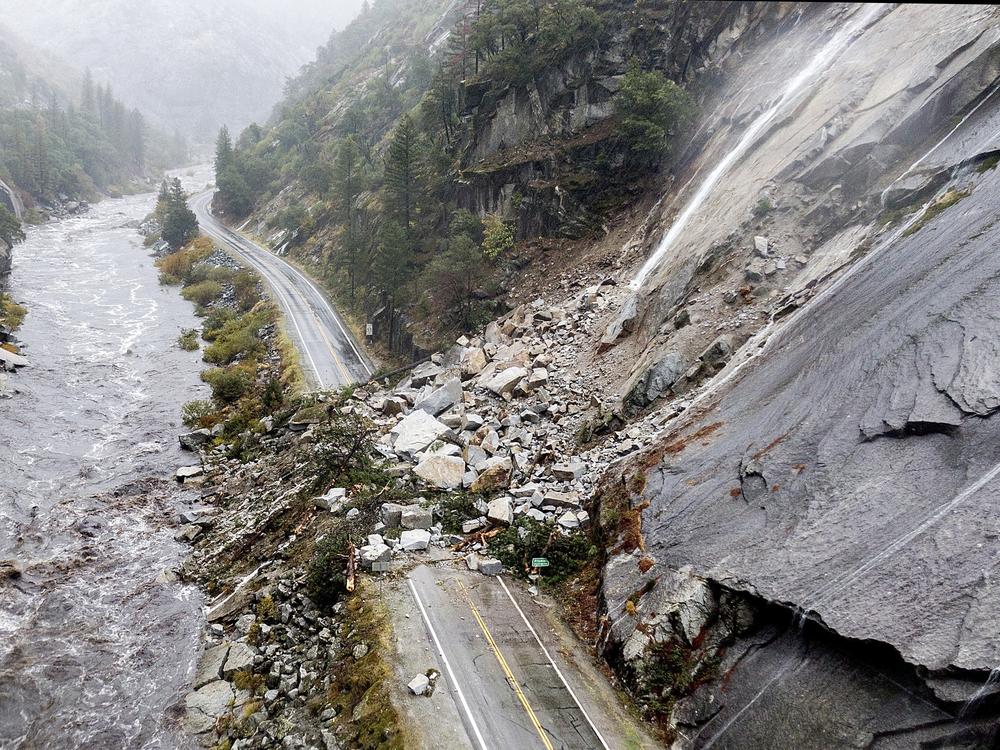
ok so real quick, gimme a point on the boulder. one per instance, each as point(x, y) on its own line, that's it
point(334, 498)
point(443, 472)
point(657, 380)
point(210, 666)
point(188, 472)
point(192, 441)
point(441, 399)
point(424, 373)
point(473, 525)
point(568, 520)
point(392, 514)
point(501, 511)
point(473, 361)
point(419, 684)
point(569, 471)
point(414, 540)
point(490, 566)
point(206, 705)
point(240, 657)
point(416, 517)
point(505, 381)
point(373, 553)
point(415, 432)
point(760, 246)
point(493, 474)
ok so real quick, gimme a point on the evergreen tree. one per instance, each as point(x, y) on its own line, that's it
point(401, 175)
point(223, 151)
point(180, 225)
point(88, 105)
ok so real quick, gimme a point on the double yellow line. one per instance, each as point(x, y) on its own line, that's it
point(515, 685)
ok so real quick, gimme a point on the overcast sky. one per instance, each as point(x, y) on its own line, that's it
point(188, 64)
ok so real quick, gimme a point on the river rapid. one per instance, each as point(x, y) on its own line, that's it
point(97, 644)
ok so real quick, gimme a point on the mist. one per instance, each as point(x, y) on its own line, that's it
point(188, 65)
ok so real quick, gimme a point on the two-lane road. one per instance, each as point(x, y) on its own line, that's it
point(330, 356)
point(507, 680)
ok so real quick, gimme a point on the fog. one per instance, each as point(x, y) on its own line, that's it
point(188, 65)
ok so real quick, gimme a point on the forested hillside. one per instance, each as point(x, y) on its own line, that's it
point(58, 144)
point(416, 163)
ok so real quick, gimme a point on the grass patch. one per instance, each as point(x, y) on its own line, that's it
point(990, 162)
point(941, 205)
point(11, 314)
point(360, 688)
point(188, 340)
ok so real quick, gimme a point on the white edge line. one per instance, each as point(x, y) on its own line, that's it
point(447, 666)
point(554, 666)
point(336, 316)
point(291, 314)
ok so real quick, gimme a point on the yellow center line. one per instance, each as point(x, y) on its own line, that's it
point(329, 345)
point(506, 670)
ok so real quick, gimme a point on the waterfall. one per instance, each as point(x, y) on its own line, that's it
point(820, 62)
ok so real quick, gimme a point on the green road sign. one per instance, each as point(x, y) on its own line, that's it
point(539, 562)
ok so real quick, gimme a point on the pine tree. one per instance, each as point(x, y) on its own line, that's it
point(223, 151)
point(88, 105)
point(401, 175)
point(180, 225)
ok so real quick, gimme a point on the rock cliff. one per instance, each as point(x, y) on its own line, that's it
point(824, 499)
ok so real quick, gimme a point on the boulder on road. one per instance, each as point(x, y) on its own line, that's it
point(373, 553)
point(490, 566)
point(419, 684)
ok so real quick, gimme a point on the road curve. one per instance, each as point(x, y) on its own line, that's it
point(330, 356)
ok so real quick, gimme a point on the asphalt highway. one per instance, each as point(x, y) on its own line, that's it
point(330, 356)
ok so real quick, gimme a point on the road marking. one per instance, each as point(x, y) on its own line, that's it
point(221, 236)
point(329, 345)
point(336, 317)
point(515, 685)
point(447, 666)
point(285, 266)
point(552, 662)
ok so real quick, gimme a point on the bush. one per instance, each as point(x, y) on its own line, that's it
point(228, 385)
point(203, 293)
point(197, 414)
point(651, 109)
point(566, 553)
point(326, 580)
point(188, 340)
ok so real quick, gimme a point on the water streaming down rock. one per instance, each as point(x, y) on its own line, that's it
point(96, 647)
point(864, 411)
point(823, 59)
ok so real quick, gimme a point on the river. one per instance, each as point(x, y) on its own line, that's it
point(97, 645)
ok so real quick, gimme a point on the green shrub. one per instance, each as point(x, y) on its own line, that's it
point(652, 110)
point(326, 580)
point(188, 340)
point(198, 414)
point(203, 293)
point(228, 385)
point(566, 553)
